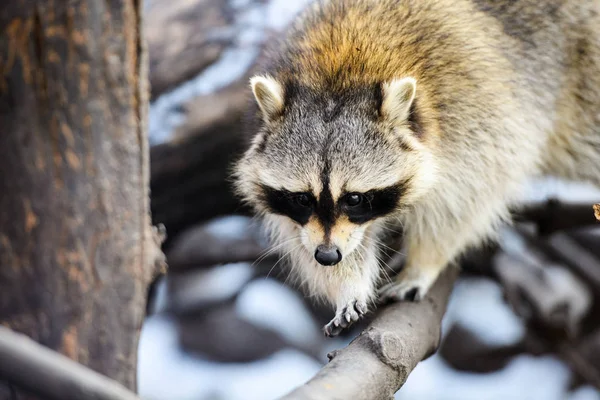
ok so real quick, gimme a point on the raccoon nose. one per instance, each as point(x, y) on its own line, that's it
point(326, 255)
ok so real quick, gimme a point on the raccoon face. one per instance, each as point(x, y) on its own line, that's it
point(328, 168)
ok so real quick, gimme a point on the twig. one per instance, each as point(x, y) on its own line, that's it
point(51, 375)
point(377, 363)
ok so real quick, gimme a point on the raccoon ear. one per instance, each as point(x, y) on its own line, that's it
point(398, 96)
point(269, 96)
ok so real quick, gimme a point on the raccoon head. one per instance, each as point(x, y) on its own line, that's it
point(328, 166)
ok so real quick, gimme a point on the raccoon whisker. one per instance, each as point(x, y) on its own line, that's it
point(272, 250)
point(281, 258)
point(382, 261)
point(267, 253)
point(384, 264)
point(383, 271)
point(380, 243)
point(304, 281)
point(300, 278)
point(387, 228)
point(362, 258)
point(400, 221)
point(387, 276)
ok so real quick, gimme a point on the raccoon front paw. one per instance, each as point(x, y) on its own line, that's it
point(344, 317)
point(411, 285)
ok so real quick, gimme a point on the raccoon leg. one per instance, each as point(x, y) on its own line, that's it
point(412, 284)
point(422, 269)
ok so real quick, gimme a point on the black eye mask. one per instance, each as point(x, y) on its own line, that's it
point(363, 207)
point(297, 206)
point(359, 207)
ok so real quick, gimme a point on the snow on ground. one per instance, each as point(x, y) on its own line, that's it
point(204, 286)
point(230, 227)
point(293, 321)
point(477, 304)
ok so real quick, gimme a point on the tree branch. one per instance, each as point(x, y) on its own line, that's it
point(50, 375)
point(377, 363)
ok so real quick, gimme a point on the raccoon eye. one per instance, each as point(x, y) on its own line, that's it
point(302, 199)
point(354, 199)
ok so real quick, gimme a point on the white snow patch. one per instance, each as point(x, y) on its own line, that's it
point(477, 304)
point(166, 373)
point(567, 191)
point(225, 280)
point(585, 393)
point(280, 13)
point(251, 23)
point(270, 304)
point(271, 378)
point(232, 227)
point(524, 378)
point(238, 4)
point(216, 284)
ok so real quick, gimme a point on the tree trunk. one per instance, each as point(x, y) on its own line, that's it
point(76, 245)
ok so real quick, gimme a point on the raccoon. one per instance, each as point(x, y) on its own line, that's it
point(425, 115)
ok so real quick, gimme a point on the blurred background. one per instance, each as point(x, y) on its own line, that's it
point(523, 320)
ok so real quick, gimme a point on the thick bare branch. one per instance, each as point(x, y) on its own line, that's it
point(51, 375)
point(377, 363)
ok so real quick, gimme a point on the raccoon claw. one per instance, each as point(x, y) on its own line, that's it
point(406, 289)
point(345, 317)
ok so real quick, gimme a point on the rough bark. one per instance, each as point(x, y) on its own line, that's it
point(76, 249)
point(377, 363)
